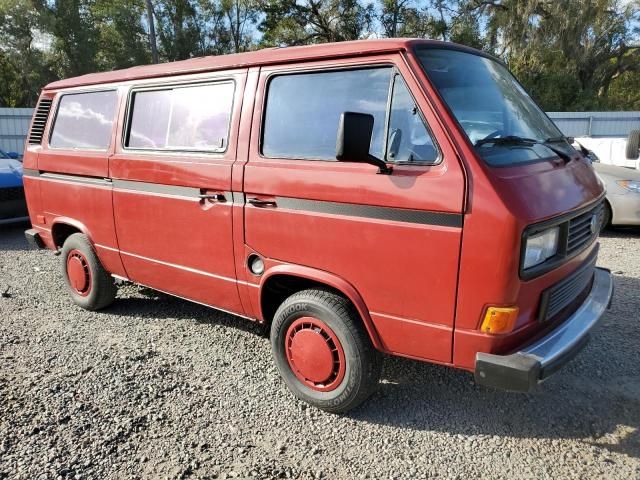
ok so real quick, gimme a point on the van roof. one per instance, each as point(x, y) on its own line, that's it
point(239, 60)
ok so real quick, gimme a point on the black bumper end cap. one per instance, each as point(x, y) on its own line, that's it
point(34, 239)
point(516, 373)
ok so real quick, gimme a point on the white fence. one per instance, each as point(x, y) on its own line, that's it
point(596, 124)
point(14, 124)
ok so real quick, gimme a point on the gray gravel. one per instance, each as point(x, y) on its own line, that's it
point(156, 387)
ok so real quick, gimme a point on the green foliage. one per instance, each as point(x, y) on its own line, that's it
point(122, 39)
point(570, 54)
point(296, 22)
point(24, 68)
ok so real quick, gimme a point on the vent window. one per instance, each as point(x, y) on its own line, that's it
point(39, 121)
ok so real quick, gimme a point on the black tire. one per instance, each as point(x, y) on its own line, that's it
point(633, 145)
point(363, 363)
point(605, 222)
point(101, 289)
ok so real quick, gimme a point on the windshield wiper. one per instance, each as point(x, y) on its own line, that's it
point(559, 139)
point(515, 140)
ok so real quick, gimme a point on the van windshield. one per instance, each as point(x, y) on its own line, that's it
point(489, 104)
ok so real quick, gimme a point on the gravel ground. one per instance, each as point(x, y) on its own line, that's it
point(156, 387)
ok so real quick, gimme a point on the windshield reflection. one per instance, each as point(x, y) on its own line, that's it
point(488, 102)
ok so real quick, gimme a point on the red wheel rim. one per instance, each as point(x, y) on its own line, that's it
point(315, 354)
point(78, 273)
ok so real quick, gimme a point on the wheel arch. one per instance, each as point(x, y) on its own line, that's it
point(609, 205)
point(281, 281)
point(63, 227)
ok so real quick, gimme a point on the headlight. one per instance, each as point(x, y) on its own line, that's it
point(629, 185)
point(540, 247)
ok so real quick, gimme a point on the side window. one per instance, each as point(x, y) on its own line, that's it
point(84, 120)
point(408, 138)
point(303, 110)
point(194, 118)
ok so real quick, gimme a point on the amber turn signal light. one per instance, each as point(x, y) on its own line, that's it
point(499, 319)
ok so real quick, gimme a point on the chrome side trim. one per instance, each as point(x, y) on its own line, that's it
point(28, 172)
point(171, 190)
point(180, 267)
point(75, 179)
point(64, 177)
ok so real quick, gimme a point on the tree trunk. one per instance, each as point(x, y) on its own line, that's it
point(152, 33)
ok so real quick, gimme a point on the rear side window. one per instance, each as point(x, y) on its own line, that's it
point(303, 110)
point(192, 118)
point(84, 120)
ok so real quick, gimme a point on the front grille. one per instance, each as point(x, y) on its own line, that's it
point(13, 193)
point(561, 295)
point(581, 231)
point(39, 121)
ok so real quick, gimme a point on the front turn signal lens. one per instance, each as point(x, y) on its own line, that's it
point(499, 319)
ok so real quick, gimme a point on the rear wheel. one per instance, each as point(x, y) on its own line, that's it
point(323, 352)
point(89, 284)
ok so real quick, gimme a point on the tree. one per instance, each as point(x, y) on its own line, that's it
point(393, 16)
point(291, 22)
point(179, 30)
point(24, 68)
point(571, 54)
point(75, 34)
point(122, 39)
point(569, 44)
point(240, 15)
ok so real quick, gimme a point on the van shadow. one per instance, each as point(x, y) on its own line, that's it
point(594, 399)
point(12, 237)
point(621, 232)
point(148, 303)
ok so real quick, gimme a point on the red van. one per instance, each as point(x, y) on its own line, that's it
point(404, 197)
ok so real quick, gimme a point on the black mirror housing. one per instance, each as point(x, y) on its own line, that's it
point(354, 139)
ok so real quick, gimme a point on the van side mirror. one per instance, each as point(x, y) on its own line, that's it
point(354, 138)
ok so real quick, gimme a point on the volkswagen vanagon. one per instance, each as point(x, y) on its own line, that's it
point(401, 197)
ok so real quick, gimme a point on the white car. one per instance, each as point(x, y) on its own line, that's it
point(622, 205)
point(623, 194)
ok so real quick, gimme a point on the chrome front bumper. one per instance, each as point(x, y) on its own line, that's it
point(522, 371)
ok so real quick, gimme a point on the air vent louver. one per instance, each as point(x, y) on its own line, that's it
point(39, 121)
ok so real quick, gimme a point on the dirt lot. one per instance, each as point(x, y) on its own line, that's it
point(155, 387)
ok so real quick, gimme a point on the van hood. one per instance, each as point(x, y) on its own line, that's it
point(10, 173)
point(543, 190)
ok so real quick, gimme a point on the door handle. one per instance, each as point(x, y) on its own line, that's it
point(258, 202)
point(213, 197)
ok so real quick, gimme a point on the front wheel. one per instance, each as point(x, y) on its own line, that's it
point(605, 221)
point(323, 352)
point(89, 284)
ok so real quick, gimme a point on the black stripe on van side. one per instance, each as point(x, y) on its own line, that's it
point(405, 215)
point(370, 211)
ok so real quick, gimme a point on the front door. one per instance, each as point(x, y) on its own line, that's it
point(395, 238)
point(172, 181)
